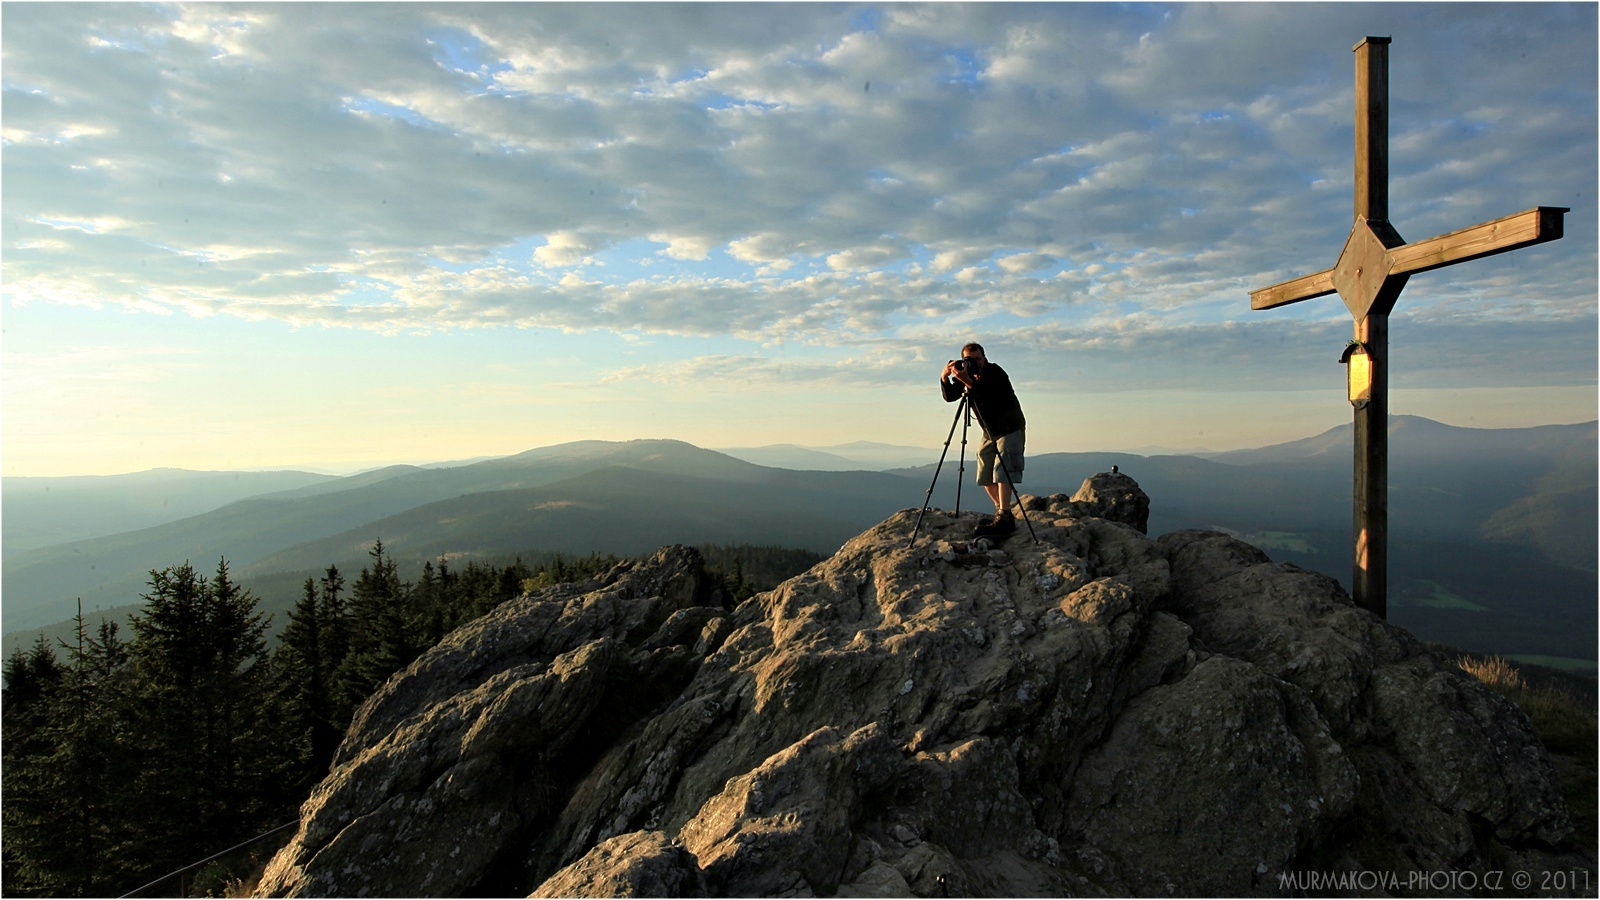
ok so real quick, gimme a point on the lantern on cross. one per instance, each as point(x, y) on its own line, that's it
point(1359, 376)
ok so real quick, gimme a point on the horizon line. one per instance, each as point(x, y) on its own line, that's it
point(349, 470)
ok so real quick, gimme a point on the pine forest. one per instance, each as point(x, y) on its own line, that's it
point(131, 756)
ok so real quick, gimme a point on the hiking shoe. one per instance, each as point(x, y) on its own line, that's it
point(1002, 524)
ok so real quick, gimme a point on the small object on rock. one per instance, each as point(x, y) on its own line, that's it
point(1114, 496)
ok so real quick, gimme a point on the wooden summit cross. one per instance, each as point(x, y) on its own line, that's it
point(1372, 268)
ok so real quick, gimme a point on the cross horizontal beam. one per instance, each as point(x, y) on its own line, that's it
point(1523, 229)
point(1294, 290)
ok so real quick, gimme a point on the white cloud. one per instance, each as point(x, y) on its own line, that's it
point(685, 246)
point(866, 257)
point(767, 247)
point(564, 248)
point(1023, 263)
point(952, 260)
point(433, 167)
point(223, 34)
point(95, 225)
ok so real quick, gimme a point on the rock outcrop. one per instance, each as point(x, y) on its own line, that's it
point(1093, 713)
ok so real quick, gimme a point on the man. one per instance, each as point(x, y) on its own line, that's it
point(991, 396)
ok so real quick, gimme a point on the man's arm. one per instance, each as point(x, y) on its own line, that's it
point(952, 390)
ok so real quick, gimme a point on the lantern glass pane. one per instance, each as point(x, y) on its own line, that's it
point(1360, 377)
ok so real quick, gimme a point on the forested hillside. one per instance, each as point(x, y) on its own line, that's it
point(128, 755)
point(576, 497)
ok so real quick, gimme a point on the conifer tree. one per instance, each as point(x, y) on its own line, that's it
point(67, 782)
point(507, 584)
point(92, 769)
point(310, 652)
point(380, 637)
point(30, 676)
point(430, 617)
point(334, 631)
point(202, 713)
point(737, 586)
point(455, 606)
point(335, 627)
point(303, 688)
point(32, 681)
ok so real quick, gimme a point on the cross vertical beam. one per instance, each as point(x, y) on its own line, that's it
point(1369, 571)
point(1372, 269)
point(1372, 128)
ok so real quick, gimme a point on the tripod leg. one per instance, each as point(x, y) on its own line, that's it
point(961, 469)
point(960, 408)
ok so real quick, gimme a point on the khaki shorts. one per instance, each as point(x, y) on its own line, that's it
point(1009, 449)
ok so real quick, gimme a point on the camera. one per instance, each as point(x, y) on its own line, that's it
point(963, 364)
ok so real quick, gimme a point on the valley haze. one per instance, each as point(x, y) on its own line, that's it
point(1493, 530)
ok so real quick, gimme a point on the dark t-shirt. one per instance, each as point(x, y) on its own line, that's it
point(999, 410)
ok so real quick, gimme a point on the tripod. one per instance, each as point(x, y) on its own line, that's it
point(965, 405)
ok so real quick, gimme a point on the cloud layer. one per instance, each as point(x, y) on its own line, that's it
point(1105, 182)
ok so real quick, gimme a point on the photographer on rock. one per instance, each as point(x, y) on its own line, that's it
point(1000, 457)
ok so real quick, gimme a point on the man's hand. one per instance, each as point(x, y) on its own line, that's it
point(953, 370)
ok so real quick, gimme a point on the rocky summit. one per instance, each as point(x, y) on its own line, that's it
point(1093, 712)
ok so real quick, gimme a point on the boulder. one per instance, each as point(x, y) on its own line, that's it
point(636, 864)
point(1107, 495)
point(1093, 712)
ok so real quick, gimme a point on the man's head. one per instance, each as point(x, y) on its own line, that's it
point(974, 353)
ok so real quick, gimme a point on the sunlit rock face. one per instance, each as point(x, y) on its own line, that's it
point(1077, 709)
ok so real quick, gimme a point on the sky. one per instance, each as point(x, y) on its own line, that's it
point(334, 236)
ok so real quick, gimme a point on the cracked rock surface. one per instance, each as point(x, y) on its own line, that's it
point(1095, 713)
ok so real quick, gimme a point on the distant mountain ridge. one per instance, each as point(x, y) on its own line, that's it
point(854, 456)
point(44, 511)
point(1414, 439)
point(813, 511)
point(1477, 516)
point(43, 585)
point(1547, 479)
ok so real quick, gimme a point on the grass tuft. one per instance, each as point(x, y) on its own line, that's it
point(1565, 722)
